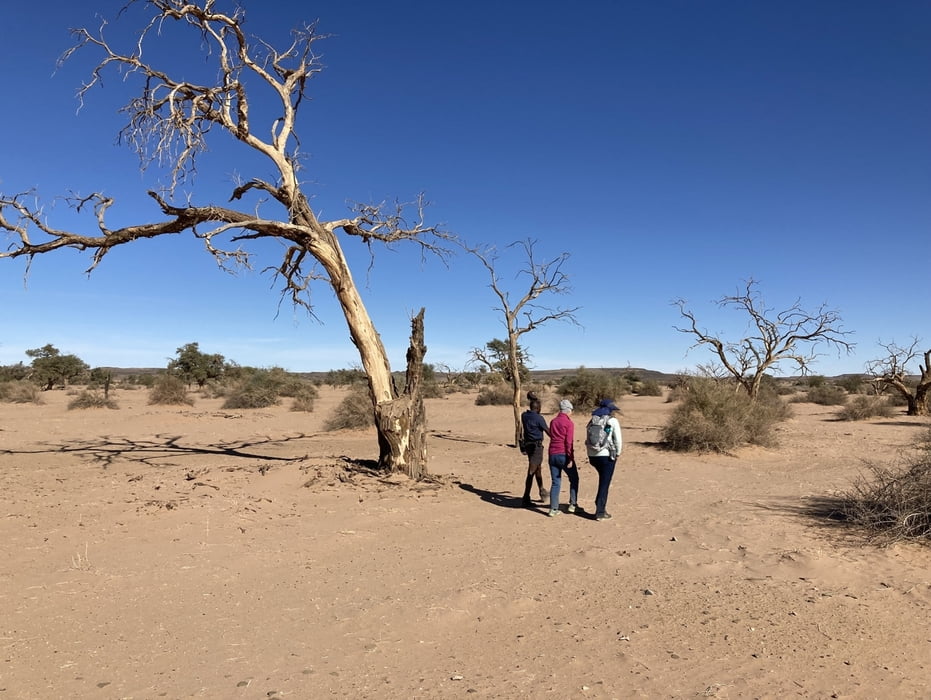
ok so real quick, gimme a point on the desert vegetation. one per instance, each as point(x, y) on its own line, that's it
point(714, 415)
point(892, 502)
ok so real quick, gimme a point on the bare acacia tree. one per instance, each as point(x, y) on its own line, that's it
point(526, 314)
point(168, 123)
point(789, 335)
point(891, 371)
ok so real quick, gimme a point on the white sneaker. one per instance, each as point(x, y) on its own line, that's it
point(571, 508)
point(554, 513)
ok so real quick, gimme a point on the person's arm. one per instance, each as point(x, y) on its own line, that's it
point(616, 434)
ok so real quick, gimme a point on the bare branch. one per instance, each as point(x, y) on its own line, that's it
point(527, 313)
point(892, 371)
point(792, 334)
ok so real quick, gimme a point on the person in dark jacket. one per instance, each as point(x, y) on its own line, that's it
point(534, 425)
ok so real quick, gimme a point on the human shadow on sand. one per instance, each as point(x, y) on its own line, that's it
point(502, 500)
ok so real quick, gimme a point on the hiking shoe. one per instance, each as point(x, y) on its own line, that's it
point(571, 508)
point(554, 513)
point(603, 516)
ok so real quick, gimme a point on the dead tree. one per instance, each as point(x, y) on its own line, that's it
point(526, 314)
point(169, 122)
point(892, 371)
point(774, 337)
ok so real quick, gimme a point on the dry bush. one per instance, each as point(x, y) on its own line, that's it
point(863, 407)
point(91, 399)
point(823, 395)
point(19, 391)
point(714, 416)
point(354, 412)
point(587, 387)
point(894, 502)
point(304, 400)
point(251, 396)
point(648, 388)
point(169, 390)
point(495, 395)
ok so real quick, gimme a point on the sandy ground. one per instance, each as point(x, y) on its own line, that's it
point(157, 552)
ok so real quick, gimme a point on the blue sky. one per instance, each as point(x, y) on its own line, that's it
point(673, 149)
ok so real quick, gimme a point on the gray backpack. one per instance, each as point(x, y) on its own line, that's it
point(596, 433)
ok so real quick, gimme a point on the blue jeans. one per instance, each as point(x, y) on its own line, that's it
point(605, 468)
point(558, 464)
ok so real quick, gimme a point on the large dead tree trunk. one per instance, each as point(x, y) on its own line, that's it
point(402, 421)
point(399, 419)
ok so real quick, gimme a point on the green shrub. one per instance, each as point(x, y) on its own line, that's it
point(169, 390)
point(713, 416)
point(19, 391)
point(354, 412)
point(11, 373)
point(587, 387)
point(863, 407)
point(260, 388)
point(495, 395)
point(894, 502)
point(91, 399)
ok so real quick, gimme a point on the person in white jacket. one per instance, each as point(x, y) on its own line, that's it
point(603, 453)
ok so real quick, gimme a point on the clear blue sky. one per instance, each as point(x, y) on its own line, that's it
point(674, 149)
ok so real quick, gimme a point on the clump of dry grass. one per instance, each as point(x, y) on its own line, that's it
point(169, 390)
point(863, 407)
point(91, 399)
point(894, 502)
point(19, 391)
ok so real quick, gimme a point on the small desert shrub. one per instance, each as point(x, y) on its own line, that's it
point(304, 400)
point(354, 412)
point(894, 502)
point(648, 388)
point(169, 390)
point(587, 387)
point(494, 395)
point(851, 383)
point(11, 373)
point(713, 416)
point(19, 391)
point(91, 399)
point(249, 395)
point(824, 395)
point(863, 407)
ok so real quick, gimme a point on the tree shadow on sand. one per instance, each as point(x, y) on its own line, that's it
point(161, 449)
point(829, 513)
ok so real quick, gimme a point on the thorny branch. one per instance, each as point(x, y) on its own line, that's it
point(168, 122)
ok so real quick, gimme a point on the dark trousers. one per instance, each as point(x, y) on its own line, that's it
point(605, 468)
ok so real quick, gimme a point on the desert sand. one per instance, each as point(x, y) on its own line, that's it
point(196, 552)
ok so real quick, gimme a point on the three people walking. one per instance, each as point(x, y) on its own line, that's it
point(603, 445)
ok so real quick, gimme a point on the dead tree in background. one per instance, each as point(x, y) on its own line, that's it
point(892, 371)
point(169, 122)
point(526, 314)
point(790, 335)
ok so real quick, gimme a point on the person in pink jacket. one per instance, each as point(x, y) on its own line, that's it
point(562, 458)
